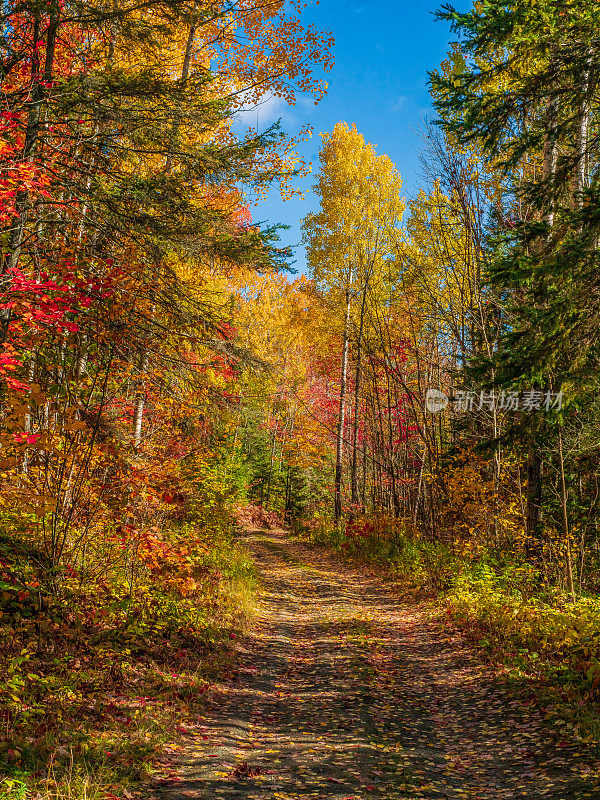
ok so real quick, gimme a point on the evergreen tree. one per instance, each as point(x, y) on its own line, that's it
point(525, 88)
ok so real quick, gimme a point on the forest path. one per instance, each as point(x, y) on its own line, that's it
point(344, 692)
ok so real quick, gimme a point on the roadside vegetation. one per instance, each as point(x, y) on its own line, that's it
point(105, 670)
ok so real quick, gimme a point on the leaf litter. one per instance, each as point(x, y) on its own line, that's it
point(344, 691)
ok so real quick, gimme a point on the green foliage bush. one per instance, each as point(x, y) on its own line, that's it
point(387, 541)
point(503, 604)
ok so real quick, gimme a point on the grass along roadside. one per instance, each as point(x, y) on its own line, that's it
point(542, 642)
point(101, 679)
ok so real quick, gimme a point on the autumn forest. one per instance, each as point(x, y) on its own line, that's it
point(373, 481)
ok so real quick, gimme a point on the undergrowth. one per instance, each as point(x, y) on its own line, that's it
point(99, 673)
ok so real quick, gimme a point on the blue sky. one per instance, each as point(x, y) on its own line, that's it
point(382, 54)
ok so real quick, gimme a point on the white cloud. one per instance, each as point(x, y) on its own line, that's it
point(399, 103)
point(262, 112)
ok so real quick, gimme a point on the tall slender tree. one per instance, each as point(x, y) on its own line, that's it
point(349, 243)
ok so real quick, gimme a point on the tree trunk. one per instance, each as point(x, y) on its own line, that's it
point(340, 426)
point(565, 516)
point(185, 71)
point(140, 402)
point(534, 463)
point(390, 437)
point(534, 501)
point(40, 82)
point(353, 472)
point(581, 167)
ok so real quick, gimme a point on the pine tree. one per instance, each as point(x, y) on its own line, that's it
point(525, 89)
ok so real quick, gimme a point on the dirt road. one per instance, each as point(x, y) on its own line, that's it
point(342, 692)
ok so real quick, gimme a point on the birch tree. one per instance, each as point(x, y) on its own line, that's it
point(349, 243)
